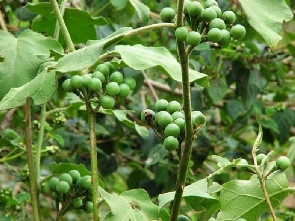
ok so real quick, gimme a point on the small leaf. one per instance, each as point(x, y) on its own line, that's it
point(140, 57)
point(142, 10)
point(6, 143)
point(141, 130)
point(58, 138)
point(221, 162)
point(267, 18)
point(217, 89)
point(119, 4)
point(156, 154)
point(60, 168)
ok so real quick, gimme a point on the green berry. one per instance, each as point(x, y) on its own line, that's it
point(200, 119)
point(225, 38)
point(229, 17)
point(66, 177)
point(209, 3)
point(111, 66)
point(130, 82)
point(260, 157)
point(107, 102)
point(99, 75)
point(86, 78)
point(112, 88)
point(238, 32)
point(217, 10)
point(183, 218)
point(167, 14)
point(173, 106)
point(88, 207)
point(75, 174)
point(85, 182)
point(103, 68)
point(283, 163)
point(180, 122)
point(77, 82)
point(181, 33)
point(217, 23)
point(242, 164)
point(116, 77)
point(241, 219)
point(147, 115)
point(214, 35)
point(52, 183)
point(76, 203)
point(66, 85)
point(124, 90)
point(194, 8)
point(45, 189)
point(208, 14)
point(163, 118)
point(177, 114)
point(95, 84)
point(161, 105)
point(62, 187)
point(172, 130)
point(193, 38)
point(171, 143)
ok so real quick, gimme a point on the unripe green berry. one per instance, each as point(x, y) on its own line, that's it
point(52, 183)
point(103, 68)
point(130, 82)
point(112, 88)
point(181, 33)
point(183, 218)
point(283, 163)
point(209, 14)
point(77, 203)
point(217, 23)
point(173, 106)
point(193, 38)
point(229, 17)
point(225, 38)
point(75, 174)
point(194, 8)
point(260, 157)
point(111, 66)
point(66, 85)
point(88, 207)
point(161, 105)
point(217, 10)
point(214, 35)
point(171, 143)
point(99, 75)
point(124, 90)
point(209, 3)
point(238, 32)
point(66, 177)
point(77, 82)
point(167, 14)
point(107, 102)
point(86, 78)
point(62, 187)
point(163, 118)
point(95, 84)
point(116, 77)
point(177, 114)
point(180, 122)
point(172, 130)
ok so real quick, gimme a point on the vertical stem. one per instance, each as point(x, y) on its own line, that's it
point(62, 11)
point(93, 155)
point(32, 172)
point(188, 142)
point(40, 141)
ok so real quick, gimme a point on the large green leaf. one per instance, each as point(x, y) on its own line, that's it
point(267, 17)
point(142, 10)
point(197, 196)
point(132, 205)
point(41, 89)
point(140, 57)
point(245, 198)
point(23, 57)
point(77, 22)
point(217, 90)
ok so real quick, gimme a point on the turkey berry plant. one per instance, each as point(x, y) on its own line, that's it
point(100, 80)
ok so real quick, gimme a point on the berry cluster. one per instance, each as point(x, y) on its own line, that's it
point(7, 201)
point(168, 122)
point(59, 119)
point(73, 187)
point(282, 162)
point(101, 86)
point(207, 23)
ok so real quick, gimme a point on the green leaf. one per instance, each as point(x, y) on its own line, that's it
point(77, 22)
point(156, 154)
point(22, 57)
point(119, 4)
point(267, 18)
point(132, 205)
point(235, 109)
point(6, 143)
point(140, 57)
point(197, 196)
point(59, 139)
point(59, 168)
point(217, 90)
point(41, 89)
point(141, 130)
point(221, 162)
point(142, 10)
point(245, 198)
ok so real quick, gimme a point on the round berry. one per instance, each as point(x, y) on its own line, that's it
point(112, 88)
point(183, 218)
point(130, 82)
point(180, 122)
point(77, 203)
point(77, 82)
point(172, 130)
point(177, 114)
point(44, 189)
point(217, 10)
point(116, 77)
point(161, 105)
point(62, 187)
point(52, 183)
point(199, 119)
point(209, 14)
point(171, 143)
point(283, 163)
point(229, 17)
point(124, 90)
point(99, 75)
point(173, 106)
point(66, 177)
point(238, 32)
point(242, 165)
point(88, 207)
point(181, 33)
point(217, 23)
point(86, 78)
point(209, 3)
point(214, 35)
point(260, 157)
point(111, 66)
point(85, 182)
point(194, 8)
point(66, 85)
point(107, 102)
point(225, 38)
point(75, 174)
point(193, 38)
point(167, 14)
point(146, 115)
point(95, 84)
point(163, 118)
point(103, 68)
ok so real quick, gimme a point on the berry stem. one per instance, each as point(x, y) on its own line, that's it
point(93, 157)
point(188, 142)
point(31, 164)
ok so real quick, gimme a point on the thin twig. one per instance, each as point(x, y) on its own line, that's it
point(150, 86)
point(2, 22)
